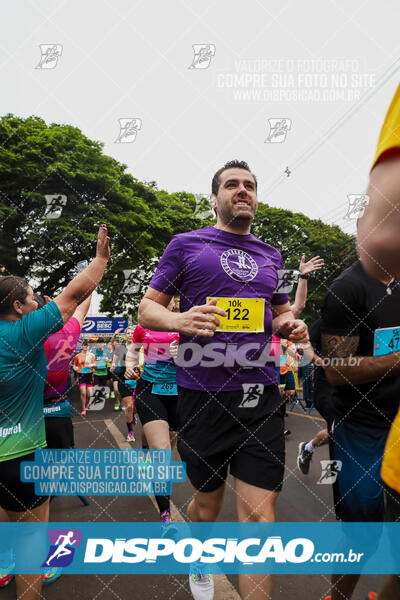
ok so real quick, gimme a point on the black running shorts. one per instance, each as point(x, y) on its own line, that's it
point(124, 390)
point(155, 407)
point(239, 429)
point(85, 379)
point(59, 432)
point(15, 494)
point(100, 380)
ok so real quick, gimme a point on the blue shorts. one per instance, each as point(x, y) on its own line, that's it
point(358, 490)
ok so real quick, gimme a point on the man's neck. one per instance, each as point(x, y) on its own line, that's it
point(379, 274)
point(240, 228)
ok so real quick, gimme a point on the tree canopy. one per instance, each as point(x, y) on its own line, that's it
point(58, 161)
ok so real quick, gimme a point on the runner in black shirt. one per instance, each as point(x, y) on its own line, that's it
point(366, 394)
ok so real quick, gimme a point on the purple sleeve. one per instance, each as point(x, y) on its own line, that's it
point(280, 295)
point(168, 276)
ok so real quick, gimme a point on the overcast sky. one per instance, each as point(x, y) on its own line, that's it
point(332, 65)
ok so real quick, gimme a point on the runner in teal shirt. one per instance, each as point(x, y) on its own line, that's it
point(23, 372)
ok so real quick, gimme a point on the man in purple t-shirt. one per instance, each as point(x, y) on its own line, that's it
point(229, 406)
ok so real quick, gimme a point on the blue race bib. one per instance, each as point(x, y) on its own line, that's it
point(86, 370)
point(165, 389)
point(130, 383)
point(386, 341)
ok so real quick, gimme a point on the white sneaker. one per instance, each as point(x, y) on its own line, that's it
point(201, 582)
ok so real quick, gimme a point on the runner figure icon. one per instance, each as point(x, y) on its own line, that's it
point(62, 549)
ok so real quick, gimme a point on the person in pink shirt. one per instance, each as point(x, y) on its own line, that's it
point(59, 348)
point(56, 407)
point(156, 393)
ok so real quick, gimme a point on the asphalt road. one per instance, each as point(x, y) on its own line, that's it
point(301, 500)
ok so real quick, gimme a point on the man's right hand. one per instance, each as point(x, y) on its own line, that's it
point(132, 373)
point(103, 243)
point(199, 320)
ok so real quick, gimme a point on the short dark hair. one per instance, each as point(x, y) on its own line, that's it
point(100, 341)
point(12, 288)
point(231, 164)
point(85, 343)
point(39, 299)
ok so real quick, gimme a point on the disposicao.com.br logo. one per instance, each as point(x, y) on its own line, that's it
point(138, 547)
point(220, 551)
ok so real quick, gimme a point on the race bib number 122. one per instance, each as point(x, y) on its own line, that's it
point(243, 314)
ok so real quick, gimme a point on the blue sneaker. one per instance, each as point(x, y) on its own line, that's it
point(51, 575)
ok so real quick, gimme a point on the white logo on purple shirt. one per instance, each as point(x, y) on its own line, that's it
point(239, 265)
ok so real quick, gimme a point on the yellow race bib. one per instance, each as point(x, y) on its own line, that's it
point(243, 314)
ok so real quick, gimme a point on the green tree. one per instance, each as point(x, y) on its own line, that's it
point(38, 160)
point(294, 234)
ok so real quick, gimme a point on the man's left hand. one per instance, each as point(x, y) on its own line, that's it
point(295, 331)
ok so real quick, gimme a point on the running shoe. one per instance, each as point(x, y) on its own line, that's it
point(168, 526)
point(51, 575)
point(117, 407)
point(303, 458)
point(5, 579)
point(328, 597)
point(165, 516)
point(372, 596)
point(287, 432)
point(122, 408)
point(130, 437)
point(5, 575)
point(83, 412)
point(201, 582)
point(112, 395)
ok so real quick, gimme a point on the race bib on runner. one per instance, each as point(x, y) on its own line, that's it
point(130, 383)
point(243, 314)
point(86, 370)
point(386, 341)
point(165, 389)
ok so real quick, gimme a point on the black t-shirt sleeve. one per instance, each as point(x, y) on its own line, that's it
point(341, 308)
point(315, 335)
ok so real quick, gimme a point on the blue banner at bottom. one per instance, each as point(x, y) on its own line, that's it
point(151, 548)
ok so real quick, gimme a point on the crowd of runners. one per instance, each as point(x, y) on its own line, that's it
point(217, 354)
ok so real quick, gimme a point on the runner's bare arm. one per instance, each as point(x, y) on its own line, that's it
point(115, 335)
point(199, 320)
point(87, 280)
point(305, 268)
point(286, 326)
point(343, 367)
point(378, 239)
point(300, 299)
point(132, 361)
point(82, 310)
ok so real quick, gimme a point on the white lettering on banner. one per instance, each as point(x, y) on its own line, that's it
point(187, 550)
point(51, 409)
point(5, 431)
